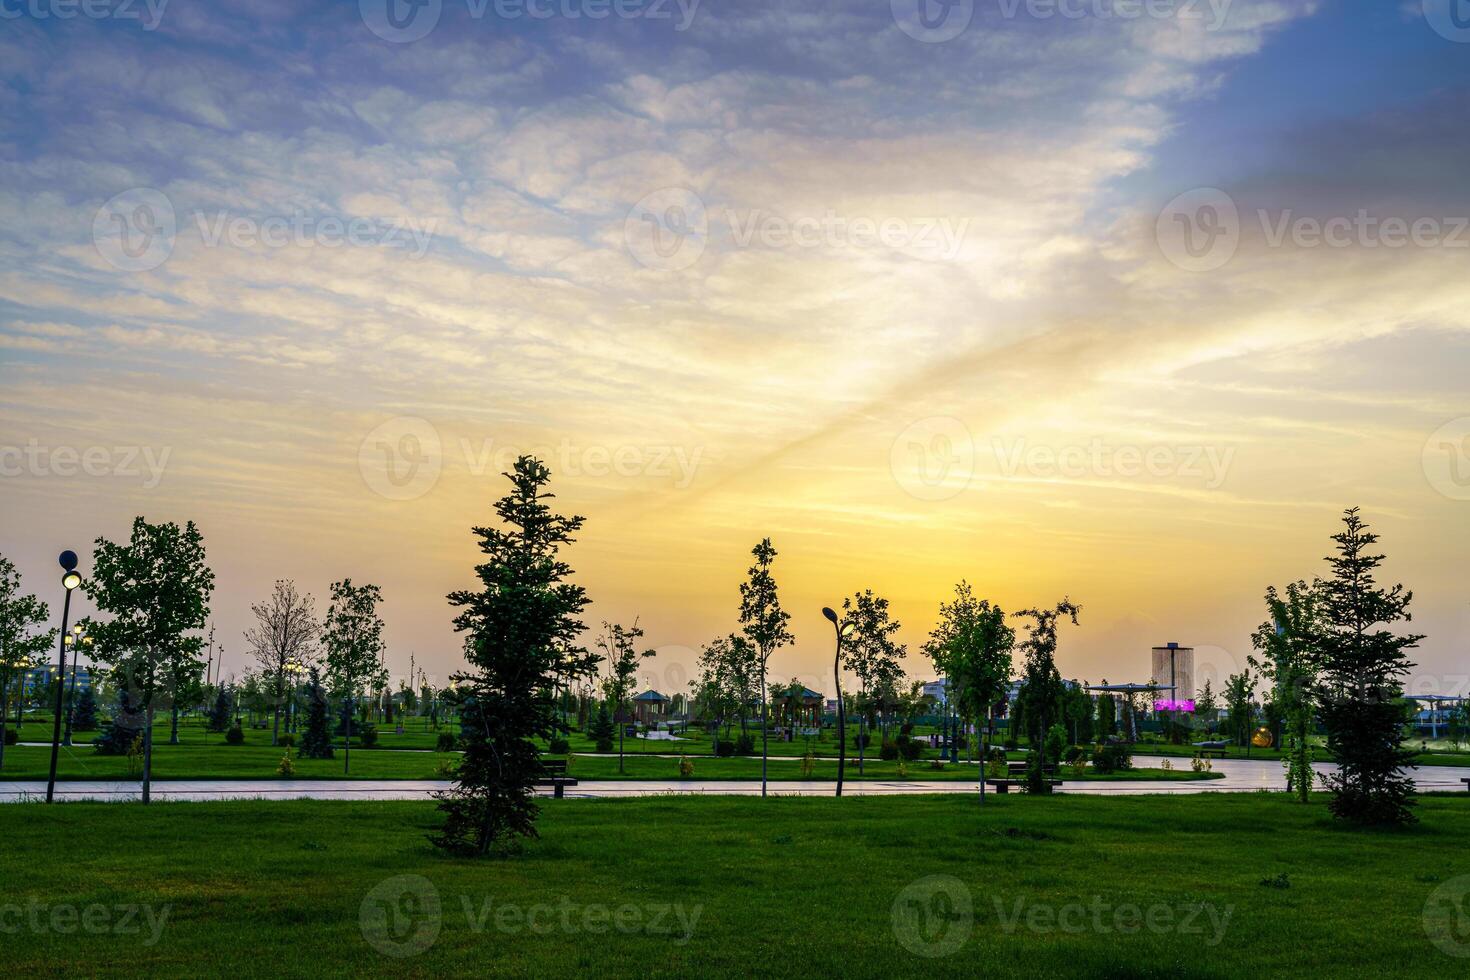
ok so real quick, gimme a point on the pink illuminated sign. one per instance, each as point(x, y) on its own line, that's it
point(1174, 706)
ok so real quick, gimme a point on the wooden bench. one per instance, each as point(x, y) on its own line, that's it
point(1208, 753)
point(1018, 768)
point(1467, 784)
point(554, 774)
point(1004, 785)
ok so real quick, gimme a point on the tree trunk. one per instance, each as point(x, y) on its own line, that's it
point(173, 733)
point(763, 729)
point(347, 741)
point(148, 755)
point(983, 763)
point(4, 717)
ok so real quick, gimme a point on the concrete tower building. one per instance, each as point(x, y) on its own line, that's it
point(1173, 666)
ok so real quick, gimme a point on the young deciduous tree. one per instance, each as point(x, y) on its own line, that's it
point(521, 629)
point(1363, 666)
point(617, 646)
point(353, 639)
point(764, 624)
point(1240, 701)
point(1042, 692)
point(971, 646)
point(871, 650)
point(283, 639)
point(23, 638)
point(157, 589)
point(1291, 644)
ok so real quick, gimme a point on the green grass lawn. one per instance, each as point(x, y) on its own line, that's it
point(258, 761)
point(1248, 885)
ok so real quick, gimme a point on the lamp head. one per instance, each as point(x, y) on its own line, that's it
point(71, 580)
point(827, 611)
point(68, 561)
point(77, 629)
point(848, 629)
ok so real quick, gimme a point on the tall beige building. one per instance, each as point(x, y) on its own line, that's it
point(1173, 665)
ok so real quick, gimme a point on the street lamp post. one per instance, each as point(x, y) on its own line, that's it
point(841, 630)
point(70, 579)
point(79, 639)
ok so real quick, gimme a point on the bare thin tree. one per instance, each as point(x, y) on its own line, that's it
point(283, 639)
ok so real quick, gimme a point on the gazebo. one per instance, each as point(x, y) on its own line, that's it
point(650, 707)
point(1128, 691)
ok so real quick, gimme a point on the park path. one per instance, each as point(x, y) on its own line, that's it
point(1238, 776)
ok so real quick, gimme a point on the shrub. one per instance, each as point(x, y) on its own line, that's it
point(446, 742)
point(903, 770)
point(235, 736)
point(745, 745)
point(287, 741)
point(888, 751)
point(1073, 753)
point(686, 767)
point(937, 765)
point(909, 749)
point(444, 769)
point(1054, 744)
point(808, 765)
point(286, 770)
point(368, 737)
point(1112, 757)
point(602, 730)
point(559, 746)
point(11, 737)
point(863, 740)
point(724, 748)
point(907, 728)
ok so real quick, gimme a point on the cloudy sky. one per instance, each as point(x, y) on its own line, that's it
point(1117, 300)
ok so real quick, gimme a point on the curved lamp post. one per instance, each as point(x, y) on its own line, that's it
point(842, 630)
point(70, 579)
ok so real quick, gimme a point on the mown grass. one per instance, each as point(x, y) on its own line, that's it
point(1243, 885)
point(188, 761)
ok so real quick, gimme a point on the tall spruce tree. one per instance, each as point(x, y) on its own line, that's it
point(84, 716)
point(521, 631)
point(316, 741)
point(218, 718)
point(1363, 666)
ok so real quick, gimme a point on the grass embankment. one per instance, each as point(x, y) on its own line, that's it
point(1216, 886)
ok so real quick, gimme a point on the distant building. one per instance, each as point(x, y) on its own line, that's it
point(1173, 666)
point(938, 690)
point(38, 679)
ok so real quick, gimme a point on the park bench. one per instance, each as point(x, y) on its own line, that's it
point(1207, 749)
point(554, 774)
point(1467, 783)
point(1019, 769)
point(1004, 785)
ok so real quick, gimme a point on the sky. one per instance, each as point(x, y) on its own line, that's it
point(1119, 301)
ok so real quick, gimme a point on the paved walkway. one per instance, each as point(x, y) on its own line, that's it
point(1239, 776)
